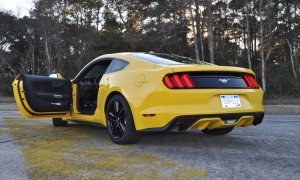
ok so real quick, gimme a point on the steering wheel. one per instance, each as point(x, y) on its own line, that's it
point(97, 80)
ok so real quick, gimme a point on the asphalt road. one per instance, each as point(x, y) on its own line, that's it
point(34, 149)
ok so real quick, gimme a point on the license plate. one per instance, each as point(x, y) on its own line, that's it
point(230, 101)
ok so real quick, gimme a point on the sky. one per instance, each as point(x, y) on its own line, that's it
point(19, 8)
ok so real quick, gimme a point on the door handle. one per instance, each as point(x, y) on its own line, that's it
point(57, 96)
point(56, 104)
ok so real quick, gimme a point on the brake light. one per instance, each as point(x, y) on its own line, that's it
point(250, 81)
point(178, 81)
point(168, 82)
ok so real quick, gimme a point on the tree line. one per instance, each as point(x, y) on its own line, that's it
point(63, 35)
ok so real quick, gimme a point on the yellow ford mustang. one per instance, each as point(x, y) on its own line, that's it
point(131, 93)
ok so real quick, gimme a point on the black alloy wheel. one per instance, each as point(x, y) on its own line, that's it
point(117, 120)
point(120, 124)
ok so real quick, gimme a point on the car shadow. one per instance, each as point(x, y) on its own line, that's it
point(193, 138)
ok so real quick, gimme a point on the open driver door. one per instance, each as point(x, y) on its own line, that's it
point(42, 96)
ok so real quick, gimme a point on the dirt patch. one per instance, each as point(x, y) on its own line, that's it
point(8, 107)
point(80, 152)
point(5, 99)
point(282, 109)
point(282, 101)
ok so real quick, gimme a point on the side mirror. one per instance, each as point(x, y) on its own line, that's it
point(56, 75)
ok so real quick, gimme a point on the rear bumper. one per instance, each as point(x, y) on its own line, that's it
point(166, 105)
point(183, 123)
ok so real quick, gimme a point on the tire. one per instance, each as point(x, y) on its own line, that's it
point(58, 122)
point(119, 121)
point(217, 132)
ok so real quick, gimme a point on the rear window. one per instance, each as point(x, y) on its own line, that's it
point(166, 59)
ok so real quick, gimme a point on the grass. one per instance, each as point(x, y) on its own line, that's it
point(82, 152)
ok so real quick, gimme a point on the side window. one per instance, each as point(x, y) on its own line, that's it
point(96, 71)
point(116, 65)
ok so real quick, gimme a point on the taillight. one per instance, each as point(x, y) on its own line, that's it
point(178, 81)
point(250, 81)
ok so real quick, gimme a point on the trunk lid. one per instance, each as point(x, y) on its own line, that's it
point(209, 76)
point(207, 68)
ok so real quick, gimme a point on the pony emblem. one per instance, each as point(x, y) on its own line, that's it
point(224, 80)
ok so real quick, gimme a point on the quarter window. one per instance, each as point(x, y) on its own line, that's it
point(116, 65)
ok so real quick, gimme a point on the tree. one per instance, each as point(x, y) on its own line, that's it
point(262, 56)
point(194, 33)
point(7, 22)
point(210, 32)
point(64, 35)
point(199, 27)
point(248, 35)
point(292, 55)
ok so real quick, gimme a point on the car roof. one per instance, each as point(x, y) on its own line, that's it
point(153, 58)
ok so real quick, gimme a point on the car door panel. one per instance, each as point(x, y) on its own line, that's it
point(41, 95)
